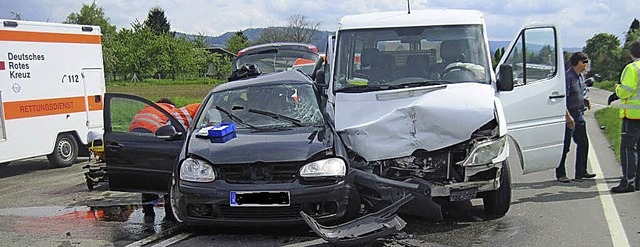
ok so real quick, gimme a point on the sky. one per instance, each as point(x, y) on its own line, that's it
point(578, 20)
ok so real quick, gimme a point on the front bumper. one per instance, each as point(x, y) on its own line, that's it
point(209, 204)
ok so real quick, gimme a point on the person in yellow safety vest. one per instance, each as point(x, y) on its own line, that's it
point(628, 92)
point(185, 114)
point(148, 120)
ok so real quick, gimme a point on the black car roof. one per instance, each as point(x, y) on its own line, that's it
point(290, 76)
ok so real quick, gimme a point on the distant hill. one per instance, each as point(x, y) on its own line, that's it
point(321, 43)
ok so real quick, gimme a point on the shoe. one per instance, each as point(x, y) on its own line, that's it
point(564, 179)
point(586, 175)
point(623, 189)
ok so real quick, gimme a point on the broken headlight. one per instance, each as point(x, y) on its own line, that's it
point(485, 152)
point(196, 170)
point(332, 167)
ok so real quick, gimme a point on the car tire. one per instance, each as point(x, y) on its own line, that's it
point(4, 164)
point(497, 202)
point(65, 151)
point(171, 203)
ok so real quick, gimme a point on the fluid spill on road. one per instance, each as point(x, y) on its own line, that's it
point(117, 223)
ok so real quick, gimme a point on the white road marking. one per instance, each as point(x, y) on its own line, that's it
point(618, 236)
point(173, 240)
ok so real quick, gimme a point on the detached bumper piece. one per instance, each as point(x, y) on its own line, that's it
point(364, 229)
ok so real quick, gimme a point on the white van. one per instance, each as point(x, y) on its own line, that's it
point(51, 89)
point(415, 98)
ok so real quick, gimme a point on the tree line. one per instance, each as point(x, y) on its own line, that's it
point(150, 49)
point(607, 53)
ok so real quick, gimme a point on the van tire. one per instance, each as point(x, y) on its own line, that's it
point(65, 151)
point(497, 202)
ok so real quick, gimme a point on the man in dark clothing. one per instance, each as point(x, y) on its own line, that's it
point(576, 125)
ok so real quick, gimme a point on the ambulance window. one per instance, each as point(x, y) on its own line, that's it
point(3, 133)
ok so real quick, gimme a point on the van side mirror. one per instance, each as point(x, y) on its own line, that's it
point(505, 78)
point(168, 133)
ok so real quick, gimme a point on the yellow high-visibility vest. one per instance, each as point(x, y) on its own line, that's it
point(628, 91)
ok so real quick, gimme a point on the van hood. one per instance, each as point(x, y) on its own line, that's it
point(297, 144)
point(391, 124)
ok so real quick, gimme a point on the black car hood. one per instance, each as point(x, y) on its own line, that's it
point(297, 144)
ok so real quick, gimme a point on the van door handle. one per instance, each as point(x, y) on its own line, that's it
point(556, 96)
point(114, 146)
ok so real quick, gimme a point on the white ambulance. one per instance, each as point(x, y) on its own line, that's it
point(51, 90)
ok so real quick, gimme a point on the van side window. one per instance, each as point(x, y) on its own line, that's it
point(538, 61)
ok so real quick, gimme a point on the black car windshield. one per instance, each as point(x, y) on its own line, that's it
point(279, 59)
point(410, 56)
point(285, 105)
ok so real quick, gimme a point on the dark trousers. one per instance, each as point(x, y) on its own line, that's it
point(579, 135)
point(630, 134)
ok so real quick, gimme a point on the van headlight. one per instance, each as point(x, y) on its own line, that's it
point(332, 167)
point(196, 170)
point(486, 152)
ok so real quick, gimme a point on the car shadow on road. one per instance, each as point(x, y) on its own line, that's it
point(563, 195)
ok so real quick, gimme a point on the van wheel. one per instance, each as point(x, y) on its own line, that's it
point(65, 151)
point(497, 202)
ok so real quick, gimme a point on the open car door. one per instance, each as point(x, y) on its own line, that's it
point(535, 108)
point(137, 162)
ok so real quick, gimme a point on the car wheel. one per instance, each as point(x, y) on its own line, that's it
point(497, 202)
point(65, 151)
point(171, 203)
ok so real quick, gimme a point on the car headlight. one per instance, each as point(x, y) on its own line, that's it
point(196, 170)
point(332, 167)
point(485, 152)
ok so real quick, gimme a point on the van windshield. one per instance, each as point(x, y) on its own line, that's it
point(378, 59)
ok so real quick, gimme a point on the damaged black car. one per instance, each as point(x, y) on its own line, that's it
point(278, 156)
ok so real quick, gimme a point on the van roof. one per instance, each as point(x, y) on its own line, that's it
point(426, 17)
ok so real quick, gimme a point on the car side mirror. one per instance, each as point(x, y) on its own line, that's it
point(319, 79)
point(168, 133)
point(505, 78)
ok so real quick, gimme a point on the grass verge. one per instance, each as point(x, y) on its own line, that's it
point(180, 94)
point(609, 120)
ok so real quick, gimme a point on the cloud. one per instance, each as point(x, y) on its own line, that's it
point(578, 20)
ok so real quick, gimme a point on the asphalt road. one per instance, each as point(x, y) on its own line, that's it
point(40, 206)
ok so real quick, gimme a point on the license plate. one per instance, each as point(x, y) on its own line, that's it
point(259, 198)
point(463, 195)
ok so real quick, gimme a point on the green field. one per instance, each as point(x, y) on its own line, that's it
point(181, 94)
